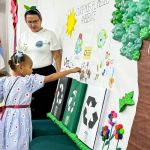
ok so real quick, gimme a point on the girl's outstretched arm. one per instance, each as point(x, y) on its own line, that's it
point(58, 75)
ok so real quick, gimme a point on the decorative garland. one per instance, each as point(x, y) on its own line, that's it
point(71, 135)
point(14, 12)
point(131, 21)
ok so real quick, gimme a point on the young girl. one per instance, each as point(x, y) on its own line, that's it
point(16, 91)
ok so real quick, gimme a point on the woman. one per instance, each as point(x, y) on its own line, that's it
point(42, 46)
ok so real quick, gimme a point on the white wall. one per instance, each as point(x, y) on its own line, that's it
point(6, 27)
point(3, 28)
point(21, 11)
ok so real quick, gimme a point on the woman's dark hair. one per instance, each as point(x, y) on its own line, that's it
point(33, 12)
point(16, 59)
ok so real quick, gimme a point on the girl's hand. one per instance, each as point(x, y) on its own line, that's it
point(76, 69)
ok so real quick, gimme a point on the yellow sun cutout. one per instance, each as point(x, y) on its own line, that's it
point(71, 21)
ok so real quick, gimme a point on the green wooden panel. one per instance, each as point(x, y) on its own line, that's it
point(74, 105)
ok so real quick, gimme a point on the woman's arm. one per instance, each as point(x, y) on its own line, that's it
point(57, 58)
point(58, 75)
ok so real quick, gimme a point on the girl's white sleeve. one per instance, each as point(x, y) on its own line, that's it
point(34, 82)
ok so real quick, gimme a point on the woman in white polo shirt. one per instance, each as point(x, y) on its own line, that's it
point(42, 46)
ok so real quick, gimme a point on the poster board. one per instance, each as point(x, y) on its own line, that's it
point(91, 114)
point(61, 96)
point(74, 105)
point(86, 38)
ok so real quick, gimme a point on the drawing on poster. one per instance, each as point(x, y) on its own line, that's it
point(78, 46)
point(67, 63)
point(87, 53)
point(101, 38)
point(71, 21)
point(85, 71)
point(107, 69)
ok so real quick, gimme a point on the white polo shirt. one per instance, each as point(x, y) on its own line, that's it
point(38, 45)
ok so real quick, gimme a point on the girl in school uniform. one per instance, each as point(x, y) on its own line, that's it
point(16, 92)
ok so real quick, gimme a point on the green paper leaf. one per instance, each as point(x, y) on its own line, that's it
point(33, 7)
point(118, 148)
point(126, 100)
point(26, 7)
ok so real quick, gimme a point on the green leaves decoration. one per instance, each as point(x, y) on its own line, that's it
point(131, 21)
point(126, 100)
point(29, 8)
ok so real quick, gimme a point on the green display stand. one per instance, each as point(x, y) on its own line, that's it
point(74, 105)
point(71, 135)
point(53, 142)
point(44, 127)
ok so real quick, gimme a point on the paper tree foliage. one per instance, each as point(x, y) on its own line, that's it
point(131, 21)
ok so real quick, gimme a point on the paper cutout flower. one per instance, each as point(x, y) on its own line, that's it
point(126, 100)
point(105, 133)
point(118, 132)
point(112, 118)
point(108, 135)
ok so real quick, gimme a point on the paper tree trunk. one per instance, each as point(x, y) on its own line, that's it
point(61, 96)
point(91, 114)
point(140, 133)
point(74, 105)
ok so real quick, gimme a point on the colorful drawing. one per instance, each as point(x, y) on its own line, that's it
point(71, 21)
point(87, 53)
point(79, 43)
point(111, 80)
point(101, 38)
point(107, 69)
point(85, 71)
point(126, 100)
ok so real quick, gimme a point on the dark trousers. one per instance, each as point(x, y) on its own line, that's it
point(42, 99)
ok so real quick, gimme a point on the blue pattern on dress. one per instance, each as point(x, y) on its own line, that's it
point(16, 124)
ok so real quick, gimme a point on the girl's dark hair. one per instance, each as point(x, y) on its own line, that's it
point(16, 59)
point(33, 12)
